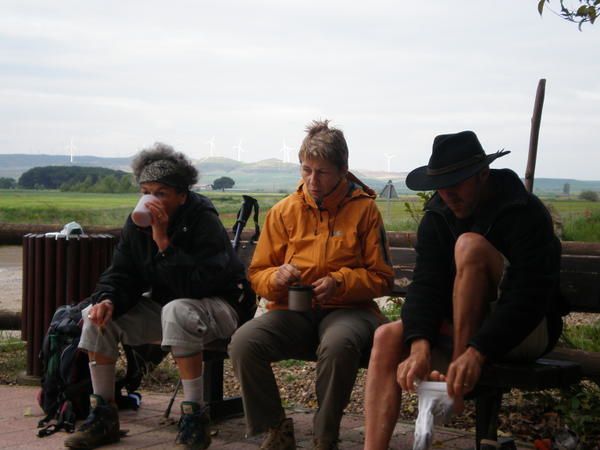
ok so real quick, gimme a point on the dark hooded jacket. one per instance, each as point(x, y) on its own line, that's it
point(519, 226)
point(200, 261)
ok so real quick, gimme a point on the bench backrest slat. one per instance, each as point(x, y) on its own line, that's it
point(579, 277)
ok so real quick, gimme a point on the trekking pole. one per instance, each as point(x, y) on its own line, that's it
point(170, 405)
point(243, 215)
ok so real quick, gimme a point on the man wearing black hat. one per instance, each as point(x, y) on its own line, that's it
point(485, 285)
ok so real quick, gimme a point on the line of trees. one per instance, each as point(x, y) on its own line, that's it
point(8, 183)
point(77, 179)
point(85, 179)
point(105, 184)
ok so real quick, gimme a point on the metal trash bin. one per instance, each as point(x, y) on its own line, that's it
point(56, 271)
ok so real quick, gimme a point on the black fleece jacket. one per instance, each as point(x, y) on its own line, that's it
point(519, 226)
point(199, 262)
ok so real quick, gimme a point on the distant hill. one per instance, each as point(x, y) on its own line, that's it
point(13, 165)
point(217, 164)
point(270, 175)
point(556, 185)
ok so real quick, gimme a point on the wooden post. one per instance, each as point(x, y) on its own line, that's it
point(536, 119)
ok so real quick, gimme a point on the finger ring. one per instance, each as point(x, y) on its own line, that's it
point(89, 316)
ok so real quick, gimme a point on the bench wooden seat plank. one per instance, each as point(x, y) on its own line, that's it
point(542, 374)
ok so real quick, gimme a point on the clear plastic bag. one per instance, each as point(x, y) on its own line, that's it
point(435, 408)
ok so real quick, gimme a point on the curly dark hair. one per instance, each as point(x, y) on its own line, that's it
point(181, 173)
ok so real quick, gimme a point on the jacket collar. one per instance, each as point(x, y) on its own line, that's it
point(188, 212)
point(507, 191)
point(348, 188)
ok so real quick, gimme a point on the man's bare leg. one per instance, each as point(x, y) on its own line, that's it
point(479, 268)
point(382, 392)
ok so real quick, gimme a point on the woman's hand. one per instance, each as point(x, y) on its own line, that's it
point(324, 289)
point(101, 313)
point(285, 275)
point(159, 224)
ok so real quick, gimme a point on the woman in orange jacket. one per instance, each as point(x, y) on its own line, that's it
point(329, 235)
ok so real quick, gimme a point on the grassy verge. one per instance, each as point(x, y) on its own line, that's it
point(584, 228)
point(12, 357)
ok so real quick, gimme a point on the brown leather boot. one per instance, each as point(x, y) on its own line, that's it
point(281, 437)
point(100, 428)
point(324, 444)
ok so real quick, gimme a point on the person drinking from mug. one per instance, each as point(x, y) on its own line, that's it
point(175, 280)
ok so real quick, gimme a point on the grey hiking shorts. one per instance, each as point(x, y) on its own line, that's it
point(190, 324)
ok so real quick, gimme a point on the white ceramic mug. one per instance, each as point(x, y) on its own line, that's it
point(141, 215)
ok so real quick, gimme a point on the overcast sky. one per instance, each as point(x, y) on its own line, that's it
point(116, 76)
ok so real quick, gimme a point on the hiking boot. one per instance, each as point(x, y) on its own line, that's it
point(280, 437)
point(324, 444)
point(194, 432)
point(100, 428)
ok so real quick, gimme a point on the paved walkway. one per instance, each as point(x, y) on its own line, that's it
point(19, 414)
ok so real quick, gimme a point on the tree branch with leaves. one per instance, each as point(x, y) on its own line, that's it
point(587, 11)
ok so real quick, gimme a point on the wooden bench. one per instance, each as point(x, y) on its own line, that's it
point(580, 283)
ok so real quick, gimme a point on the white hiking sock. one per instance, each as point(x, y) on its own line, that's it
point(193, 390)
point(103, 380)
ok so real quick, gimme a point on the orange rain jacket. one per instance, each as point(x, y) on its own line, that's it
point(344, 238)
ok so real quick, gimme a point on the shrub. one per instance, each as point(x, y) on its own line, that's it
point(416, 213)
point(392, 308)
point(590, 196)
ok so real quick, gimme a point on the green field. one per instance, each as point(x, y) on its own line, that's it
point(58, 208)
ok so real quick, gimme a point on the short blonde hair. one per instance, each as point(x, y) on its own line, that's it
point(325, 143)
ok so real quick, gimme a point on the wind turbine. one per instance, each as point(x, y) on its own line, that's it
point(71, 149)
point(211, 146)
point(239, 149)
point(389, 160)
point(286, 152)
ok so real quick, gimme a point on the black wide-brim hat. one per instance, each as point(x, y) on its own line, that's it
point(454, 158)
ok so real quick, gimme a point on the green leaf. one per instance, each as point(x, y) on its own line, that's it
point(540, 6)
point(575, 403)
